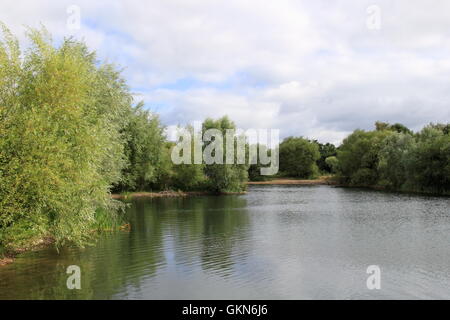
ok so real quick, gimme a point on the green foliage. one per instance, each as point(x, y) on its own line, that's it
point(429, 161)
point(144, 150)
point(60, 141)
point(332, 163)
point(397, 159)
point(224, 177)
point(397, 127)
point(298, 158)
point(326, 150)
point(254, 170)
point(358, 157)
point(393, 157)
point(189, 176)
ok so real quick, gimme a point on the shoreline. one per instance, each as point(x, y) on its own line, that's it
point(8, 257)
point(169, 194)
point(291, 181)
point(174, 194)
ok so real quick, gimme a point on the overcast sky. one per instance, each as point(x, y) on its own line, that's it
point(314, 68)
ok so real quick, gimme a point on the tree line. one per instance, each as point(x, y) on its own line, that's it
point(390, 157)
point(70, 135)
point(395, 158)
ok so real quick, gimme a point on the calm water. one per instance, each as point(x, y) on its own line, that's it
point(276, 242)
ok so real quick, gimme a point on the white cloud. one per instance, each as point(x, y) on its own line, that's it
point(309, 68)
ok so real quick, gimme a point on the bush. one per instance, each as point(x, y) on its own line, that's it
point(298, 158)
point(358, 156)
point(332, 163)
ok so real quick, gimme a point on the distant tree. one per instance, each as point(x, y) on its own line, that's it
point(224, 177)
point(333, 163)
point(298, 158)
point(189, 176)
point(380, 126)
point(358, 157)
point(444, 128)
point(397, 127)
point(254, 170)
point(393, 157)
point(326, 150)
point(400, 128)
point(144, 150)
point(429, 161)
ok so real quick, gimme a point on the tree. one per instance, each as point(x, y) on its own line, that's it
point(333, 163)
point(326, 150)
point(254, 170)
point(358, 157)
point(298, 158)
point(189, 176)
point(61, 146)
point(393, 157)
point(396, 127)
point(144, 150)
point(223, 177)
point(429, 162)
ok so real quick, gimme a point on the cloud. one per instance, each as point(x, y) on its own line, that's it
point(309, 68)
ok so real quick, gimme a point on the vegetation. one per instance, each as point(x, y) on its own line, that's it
point(254, 170)
point(358, 157)
point(143, 149)
point(224, 177)
point(70, 135)
point(298, 158)
point(326, 151)
point(61, 146)
point(395, 158)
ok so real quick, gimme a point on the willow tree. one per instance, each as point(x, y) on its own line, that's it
point(144, 150)
point(61, 147)
point(223, 177)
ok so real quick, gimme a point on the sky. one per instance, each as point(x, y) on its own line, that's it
point(318, 69)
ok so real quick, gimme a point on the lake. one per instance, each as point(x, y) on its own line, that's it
point(276, 242)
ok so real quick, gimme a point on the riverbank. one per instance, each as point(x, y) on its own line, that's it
point(8, 256)
point(168, 194)
point(325, 180)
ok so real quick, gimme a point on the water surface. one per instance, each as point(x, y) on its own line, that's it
point(276, 242)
